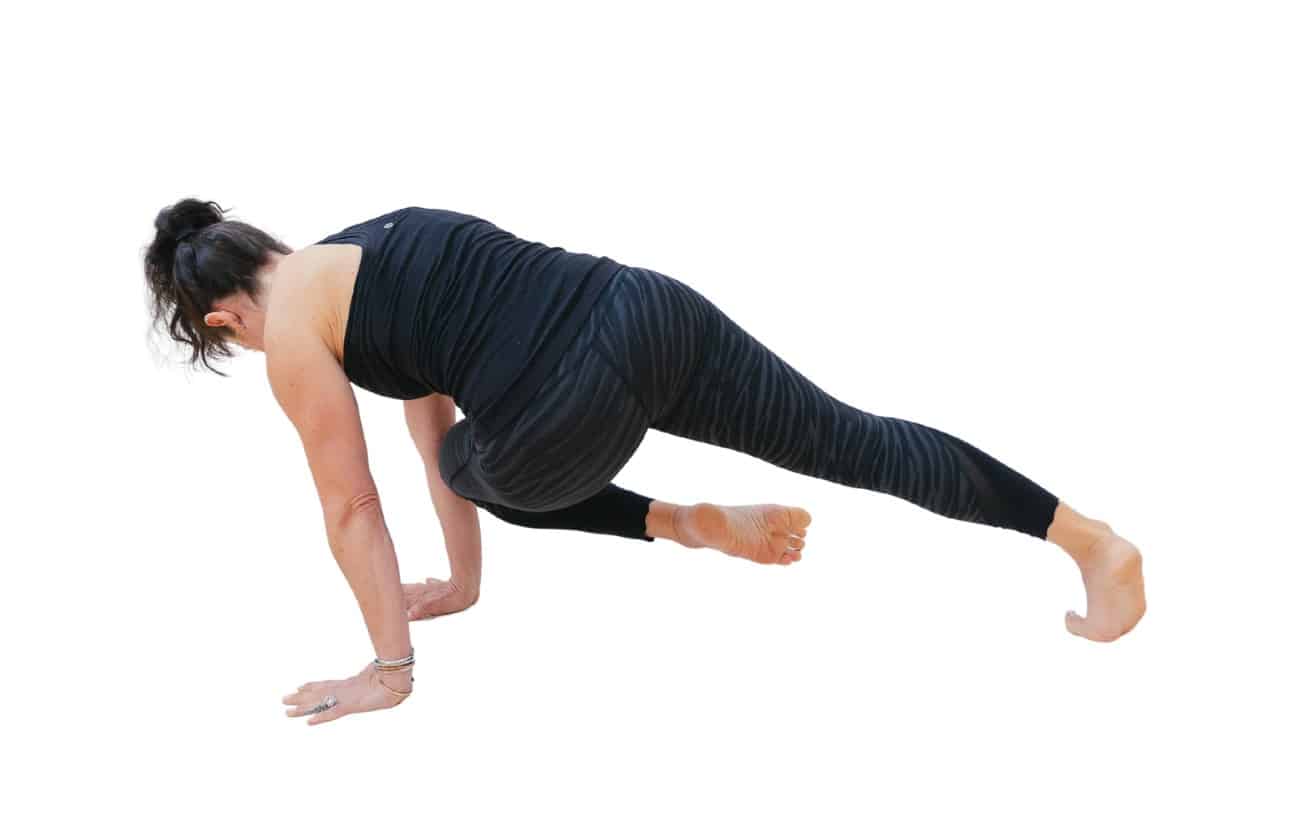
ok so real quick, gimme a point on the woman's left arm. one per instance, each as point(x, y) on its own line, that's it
point(315, 394)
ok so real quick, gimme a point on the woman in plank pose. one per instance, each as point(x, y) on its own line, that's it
point(560, 361)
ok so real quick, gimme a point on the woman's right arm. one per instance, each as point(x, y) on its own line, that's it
point(428, 419)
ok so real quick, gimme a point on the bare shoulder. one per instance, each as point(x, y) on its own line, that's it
point(305, 377)
point(310, 298)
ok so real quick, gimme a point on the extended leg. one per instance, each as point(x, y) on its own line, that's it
point(703, 377)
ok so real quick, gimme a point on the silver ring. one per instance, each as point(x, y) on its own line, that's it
point(791, 549)
point(328, 702)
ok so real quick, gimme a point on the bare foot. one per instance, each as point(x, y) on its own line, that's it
point(1112, 576)
point(768, 534)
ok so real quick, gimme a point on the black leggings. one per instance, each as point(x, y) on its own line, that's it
point(657, 354)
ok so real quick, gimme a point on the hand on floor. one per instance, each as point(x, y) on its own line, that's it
point(435, 597)
point(364, 692)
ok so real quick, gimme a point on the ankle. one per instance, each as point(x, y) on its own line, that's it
point(1075, 533)
point(662, 520)
point(683, 533)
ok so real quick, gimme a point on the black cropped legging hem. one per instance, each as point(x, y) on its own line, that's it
point(658, 354)
point(613, 510)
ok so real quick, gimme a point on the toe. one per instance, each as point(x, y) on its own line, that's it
point(1093, 628)
point(798, 517)
point(780, 518)
point(1076, 624)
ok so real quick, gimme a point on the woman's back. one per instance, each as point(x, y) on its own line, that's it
point(448, 302)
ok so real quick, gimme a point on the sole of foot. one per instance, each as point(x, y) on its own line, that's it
point(1112, 578)
point(767, 534)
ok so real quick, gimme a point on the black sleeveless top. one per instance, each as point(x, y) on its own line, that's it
point(450, 303)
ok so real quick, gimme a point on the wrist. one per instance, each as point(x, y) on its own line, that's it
point(394, 653)
point(394, 674)
point(397, 682)
point(466, 583)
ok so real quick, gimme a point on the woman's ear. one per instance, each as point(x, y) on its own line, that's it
point(222, 317)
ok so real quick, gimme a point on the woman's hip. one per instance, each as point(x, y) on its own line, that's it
point(655, 331)
point(574, 435)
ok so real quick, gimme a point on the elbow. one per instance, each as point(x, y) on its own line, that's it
point(358, 506)
point(363, 502)
point(427, 444)
point(428, 419)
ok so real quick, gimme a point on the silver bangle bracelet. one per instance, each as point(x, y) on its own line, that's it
point(396, 663)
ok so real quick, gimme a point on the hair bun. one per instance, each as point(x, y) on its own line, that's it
point(186, 217)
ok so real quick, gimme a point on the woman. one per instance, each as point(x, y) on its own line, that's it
point(560, 362)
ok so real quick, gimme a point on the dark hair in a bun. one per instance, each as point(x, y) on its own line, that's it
point(196, 257)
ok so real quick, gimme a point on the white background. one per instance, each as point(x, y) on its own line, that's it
point(1063, 232)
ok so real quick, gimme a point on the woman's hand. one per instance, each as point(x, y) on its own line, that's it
point(362, 692)
point(437, 598)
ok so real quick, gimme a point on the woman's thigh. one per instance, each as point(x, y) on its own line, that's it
point(576, 433)
point(658, 332)
point(704, 377)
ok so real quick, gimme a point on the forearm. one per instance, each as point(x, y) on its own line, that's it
point(460, 530)
point(363, 549)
